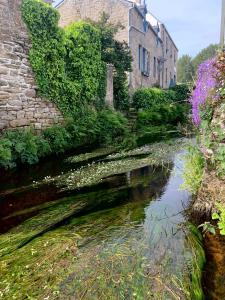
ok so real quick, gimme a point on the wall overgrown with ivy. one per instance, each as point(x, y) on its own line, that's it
point(67, 63)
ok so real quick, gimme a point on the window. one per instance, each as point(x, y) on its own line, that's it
point(167, 50)
point(143, 60)
point(154, 67)
point(139, 56)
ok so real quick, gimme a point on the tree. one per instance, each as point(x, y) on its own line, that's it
point(205, 54)
point(185, 69)
point(119, 55)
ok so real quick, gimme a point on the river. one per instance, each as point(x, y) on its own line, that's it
point(101, 226)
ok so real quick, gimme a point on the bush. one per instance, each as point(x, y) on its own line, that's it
point(5, 153)
point(112, 127)
point(161, 114)
point(145, 98)
point(58, 138)
point(25, 146)
point(181, 91)
point(150, 134)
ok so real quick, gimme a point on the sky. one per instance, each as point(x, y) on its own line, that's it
point(193, 24)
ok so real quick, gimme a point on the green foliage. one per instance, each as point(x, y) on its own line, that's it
point(193, 170)
point(145, 98)
point(112, 126)
point(64, 61)
point(150, 134)
point(164, 113)
point(204, 54)
point(220, 217)
point(207, 227)
point(187, 66)
point(182, 91)
point(84, 65)
point(117, 54)
point(160, 113)
point(26, 147)
point(5, 152)
point(185, 69)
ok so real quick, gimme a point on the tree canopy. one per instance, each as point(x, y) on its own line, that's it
point(188, 66)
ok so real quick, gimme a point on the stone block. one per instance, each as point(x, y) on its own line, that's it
point(31, 93)
point(29, 114)
point(15, 103)
point(2, 125)
point(3, 71)
point(3, 82)
point(37, 126)
point(19, 123)
point(20, 114)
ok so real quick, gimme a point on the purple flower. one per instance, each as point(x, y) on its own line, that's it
point(205, 83)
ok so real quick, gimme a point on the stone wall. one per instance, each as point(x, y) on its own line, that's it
point(19, 104)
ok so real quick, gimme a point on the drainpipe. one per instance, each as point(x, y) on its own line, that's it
point(129, 29)
point(222, 33)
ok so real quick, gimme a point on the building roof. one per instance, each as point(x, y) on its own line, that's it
point(155, 22)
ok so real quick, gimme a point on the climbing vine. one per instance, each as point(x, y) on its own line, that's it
point(67, 63)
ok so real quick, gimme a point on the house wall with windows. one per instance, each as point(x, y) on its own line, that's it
point(152, 62)
point(170, 55)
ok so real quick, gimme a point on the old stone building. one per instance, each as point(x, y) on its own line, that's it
point(19, 104)
point(153, 50)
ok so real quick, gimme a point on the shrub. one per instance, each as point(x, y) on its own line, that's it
point(5, 153)
point(112, 126)
point(23, 145)
point(145, 98)
point(58, 138)
point(161, 114)
point(181, 92)
point(150, 134)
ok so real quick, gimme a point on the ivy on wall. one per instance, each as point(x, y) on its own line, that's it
point(67, 63)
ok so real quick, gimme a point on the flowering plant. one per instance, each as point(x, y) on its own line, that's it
point(206, 82)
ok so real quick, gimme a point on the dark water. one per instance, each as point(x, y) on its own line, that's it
point(134, 240)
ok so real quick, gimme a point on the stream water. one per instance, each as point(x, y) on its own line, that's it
point(123, 236)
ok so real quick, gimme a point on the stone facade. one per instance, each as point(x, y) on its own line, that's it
point(153, 50)
point(19, 104)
